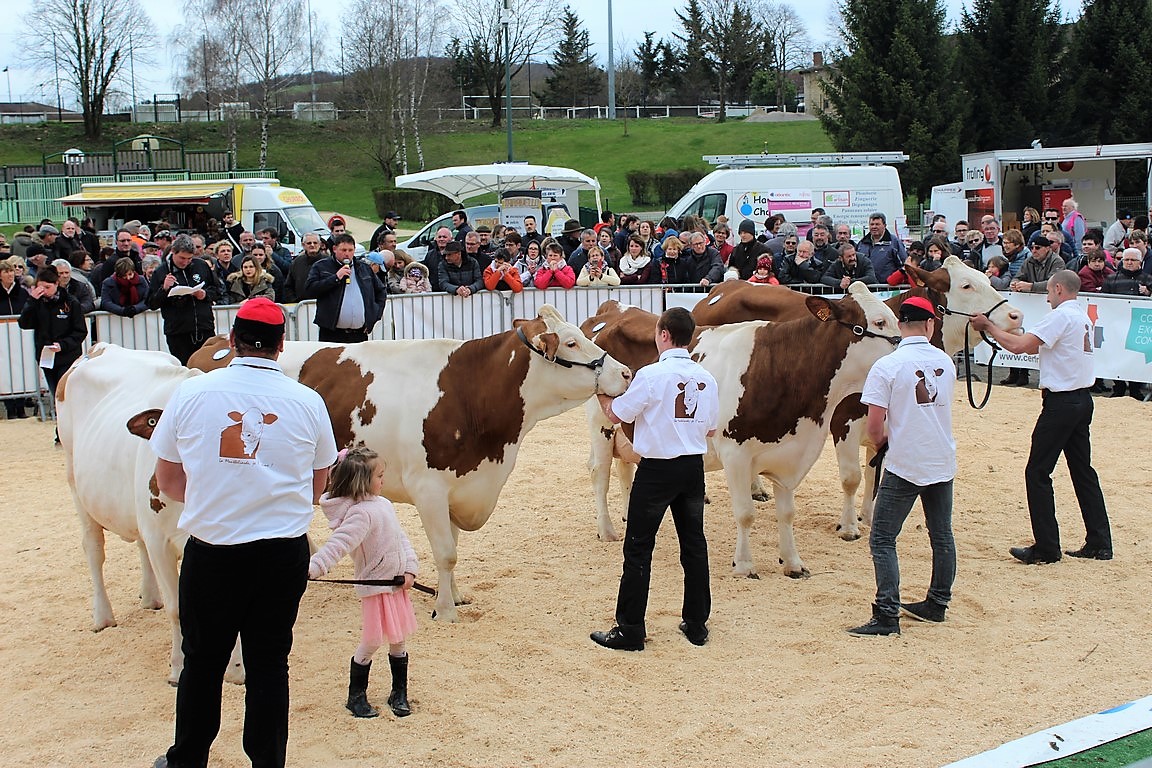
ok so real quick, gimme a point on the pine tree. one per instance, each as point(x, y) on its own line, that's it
point(1009, 54)
point(696, 73)
point(893, 88)
point(1112, 64)
point(575, 76)
point(648, 61)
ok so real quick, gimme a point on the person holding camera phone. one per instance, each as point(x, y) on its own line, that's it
point(349, 296)
point(502, 275)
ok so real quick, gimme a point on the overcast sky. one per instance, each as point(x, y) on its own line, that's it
point(631, 19)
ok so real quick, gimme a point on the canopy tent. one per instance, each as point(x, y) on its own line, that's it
point(461, 182)
point(120, 194)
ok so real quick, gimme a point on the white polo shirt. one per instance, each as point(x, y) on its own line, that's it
point(915, 384)
point(1066, 351)
point(249, 438)
point(675, 404)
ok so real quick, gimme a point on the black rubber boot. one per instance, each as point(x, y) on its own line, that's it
point(358, 690)
point(1012, 378)
point(398, 699)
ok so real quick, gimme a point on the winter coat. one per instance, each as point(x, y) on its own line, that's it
point(468, 275)
point(328, 290)
point(239, 291)
point(1127, 282)
point(886, 254)
point(12, 302)
point(608, 277)
point(563, 277)
point(370, 531)
point(56, 320)
point(742, 260)
point(836, 270)
point(112, 300)
point(409, 284)
point(1038, 272)
point(1092, 281)
point(185, 314)
point(508, 281)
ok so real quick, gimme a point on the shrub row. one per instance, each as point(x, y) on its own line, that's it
point(661, 188)
point(411, 204)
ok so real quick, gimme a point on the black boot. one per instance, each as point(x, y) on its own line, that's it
point(398, 699)
point(358, 690)
point(1023, 381)
point(1119, 388)
point(1012, 377)
point(879, 625)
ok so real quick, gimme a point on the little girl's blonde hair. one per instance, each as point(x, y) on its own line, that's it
point(352, 475)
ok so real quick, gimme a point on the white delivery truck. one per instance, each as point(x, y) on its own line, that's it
point(187, 205)
point(848, 186)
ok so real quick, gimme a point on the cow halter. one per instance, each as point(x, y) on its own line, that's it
point(594, 365)
point(943, 310)
point(860, 330)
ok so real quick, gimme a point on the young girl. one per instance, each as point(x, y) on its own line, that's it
point(364, 523)
point(763, 273)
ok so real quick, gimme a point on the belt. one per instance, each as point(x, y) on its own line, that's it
point(1058, 393)
point(253, 543)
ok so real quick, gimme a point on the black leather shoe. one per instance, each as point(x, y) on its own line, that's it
point(161, 762)
point(1029, 556)
point(697, 634)
point(617, 640)
point(1090, 554)
point(925, 610)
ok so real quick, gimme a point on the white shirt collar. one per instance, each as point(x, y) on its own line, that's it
point(674, 352)
point(256, 362)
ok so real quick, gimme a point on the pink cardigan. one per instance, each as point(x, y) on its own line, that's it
point(547, 278)
point(371, 532)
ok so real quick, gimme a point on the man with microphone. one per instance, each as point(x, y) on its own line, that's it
point(349, 296)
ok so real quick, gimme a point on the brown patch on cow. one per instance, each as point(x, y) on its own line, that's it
point(848, 410)
point(144, 423)
point(154, 492)
point(627, 336)
point(737, 301)
point(789, 377)
point(607, 432)
point(62, 385)
point(481, 409)
point(367, 412)
point(203, 358)
point(937, 297)
point(344, 387)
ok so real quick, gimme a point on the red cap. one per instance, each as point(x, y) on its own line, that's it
point(916, 308)
point(261, 310)
point(334, 220)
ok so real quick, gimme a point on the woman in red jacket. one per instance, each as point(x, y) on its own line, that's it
point(554, 273)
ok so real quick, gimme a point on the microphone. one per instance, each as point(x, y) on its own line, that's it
point(347, 263)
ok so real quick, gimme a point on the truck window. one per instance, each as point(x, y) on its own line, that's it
point(273, 220)
point(712, 206)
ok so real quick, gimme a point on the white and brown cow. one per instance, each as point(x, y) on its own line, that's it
point(109, 400)
point(780, 384)
point(467, 407)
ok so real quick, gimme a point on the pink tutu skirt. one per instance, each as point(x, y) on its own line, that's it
point(388, 618)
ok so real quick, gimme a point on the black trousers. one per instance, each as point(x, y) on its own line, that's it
point(343, 335)
point(661, 484)
point(252, 590)
point(1063, 427)
point(183, 345)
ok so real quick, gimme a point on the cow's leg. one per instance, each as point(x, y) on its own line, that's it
point(785, 512)
point(457, 597)
point(625, 475)
point(438, 528)
point(739, 477)
point(601, 438)
point(758, 492)
point(162, 554)
point(848, 459)
point(92, 538)
point(150, 596)
point(235, 672)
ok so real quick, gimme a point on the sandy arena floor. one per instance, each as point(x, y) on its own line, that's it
point(518, 682)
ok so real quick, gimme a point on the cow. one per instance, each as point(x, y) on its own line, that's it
point(106, 402)
point(468, 406)
point(780, 385)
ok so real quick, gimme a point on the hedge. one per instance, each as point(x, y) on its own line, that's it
point(661, 188)
point(411, 204)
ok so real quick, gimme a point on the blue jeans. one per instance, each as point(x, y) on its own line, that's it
point(894, 501)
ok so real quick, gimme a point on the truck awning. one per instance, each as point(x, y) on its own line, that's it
point(144, 195)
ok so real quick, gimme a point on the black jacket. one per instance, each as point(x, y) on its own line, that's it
point(56, 320)
point(744, 257)
point(328, 290)
point(297, 277)
point(836, 271)
point(788, 272)
point(185, 314)
point(469, 275)
point(1126, 282)
point(12, 302)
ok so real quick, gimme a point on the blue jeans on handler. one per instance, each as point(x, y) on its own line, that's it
point(894, 501)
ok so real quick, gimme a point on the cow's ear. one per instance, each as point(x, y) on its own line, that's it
point(939, 371)
point(915, 274)
point(821, 308)
point(269, 418)
point(551, 342)
point(144, 423)
point(235, 415)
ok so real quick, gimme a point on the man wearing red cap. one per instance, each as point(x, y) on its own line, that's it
point(247, 449)
point(911, 391)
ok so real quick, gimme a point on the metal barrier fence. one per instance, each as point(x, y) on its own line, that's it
point(406, 316)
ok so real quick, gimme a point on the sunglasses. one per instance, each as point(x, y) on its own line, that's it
point(1051, 218)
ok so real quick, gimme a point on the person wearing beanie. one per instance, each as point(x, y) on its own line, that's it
point(247, 449)
point(763, 274)
point(184, 288)
point(746, 253)
point(910, 391)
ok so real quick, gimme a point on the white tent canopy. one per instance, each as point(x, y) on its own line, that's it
point(461, 182)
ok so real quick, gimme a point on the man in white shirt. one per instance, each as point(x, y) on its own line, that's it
point(247, 450)
point(1063, 339)
point(676, 407)
point(911, 391)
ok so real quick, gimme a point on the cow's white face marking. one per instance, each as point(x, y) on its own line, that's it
point(220, 354)
point(598, 327)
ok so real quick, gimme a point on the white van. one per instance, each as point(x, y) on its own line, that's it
point(416, 246)
point(847, 193)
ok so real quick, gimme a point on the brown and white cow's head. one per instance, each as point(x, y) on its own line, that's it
point(859, 309)
point(968, 291)
point(570, 355)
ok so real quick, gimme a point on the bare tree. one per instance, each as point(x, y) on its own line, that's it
point(87, 43)
point(786, 43)
point(533, 28)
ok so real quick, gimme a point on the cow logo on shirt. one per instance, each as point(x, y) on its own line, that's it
point(688, 398)
point(1088, 339)
point(241, 439)
point(926, 387)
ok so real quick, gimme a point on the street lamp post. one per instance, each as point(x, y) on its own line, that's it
point(611, 69)
point(508, 74)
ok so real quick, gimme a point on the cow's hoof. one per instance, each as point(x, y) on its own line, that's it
point(754, 575)
point(174, 679)
point(152, 605)
point(449, 615)
point(803, 573)
point(848, 535)
point(761, 496)
point(101, 624)
point(609, 536)
point(743, 569)
point(234, 674)
point(707, 500)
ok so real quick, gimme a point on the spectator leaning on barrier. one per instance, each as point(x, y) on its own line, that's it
point(349, 297)
point(597, 273)
point(460, 274)
point(746, 253)
point(704, 265)
point(188, 318)
point(554, 272)
point(801, 268)
point(13, 295)
point(56, 322)
point(126, 292)
point(1035, 271)
point(415, 279)
point(502, 274)
point(885, 251)
point(848, 268)
point(297, 276)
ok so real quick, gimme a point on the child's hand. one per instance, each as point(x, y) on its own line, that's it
point(315, 571)
point(409, 580)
